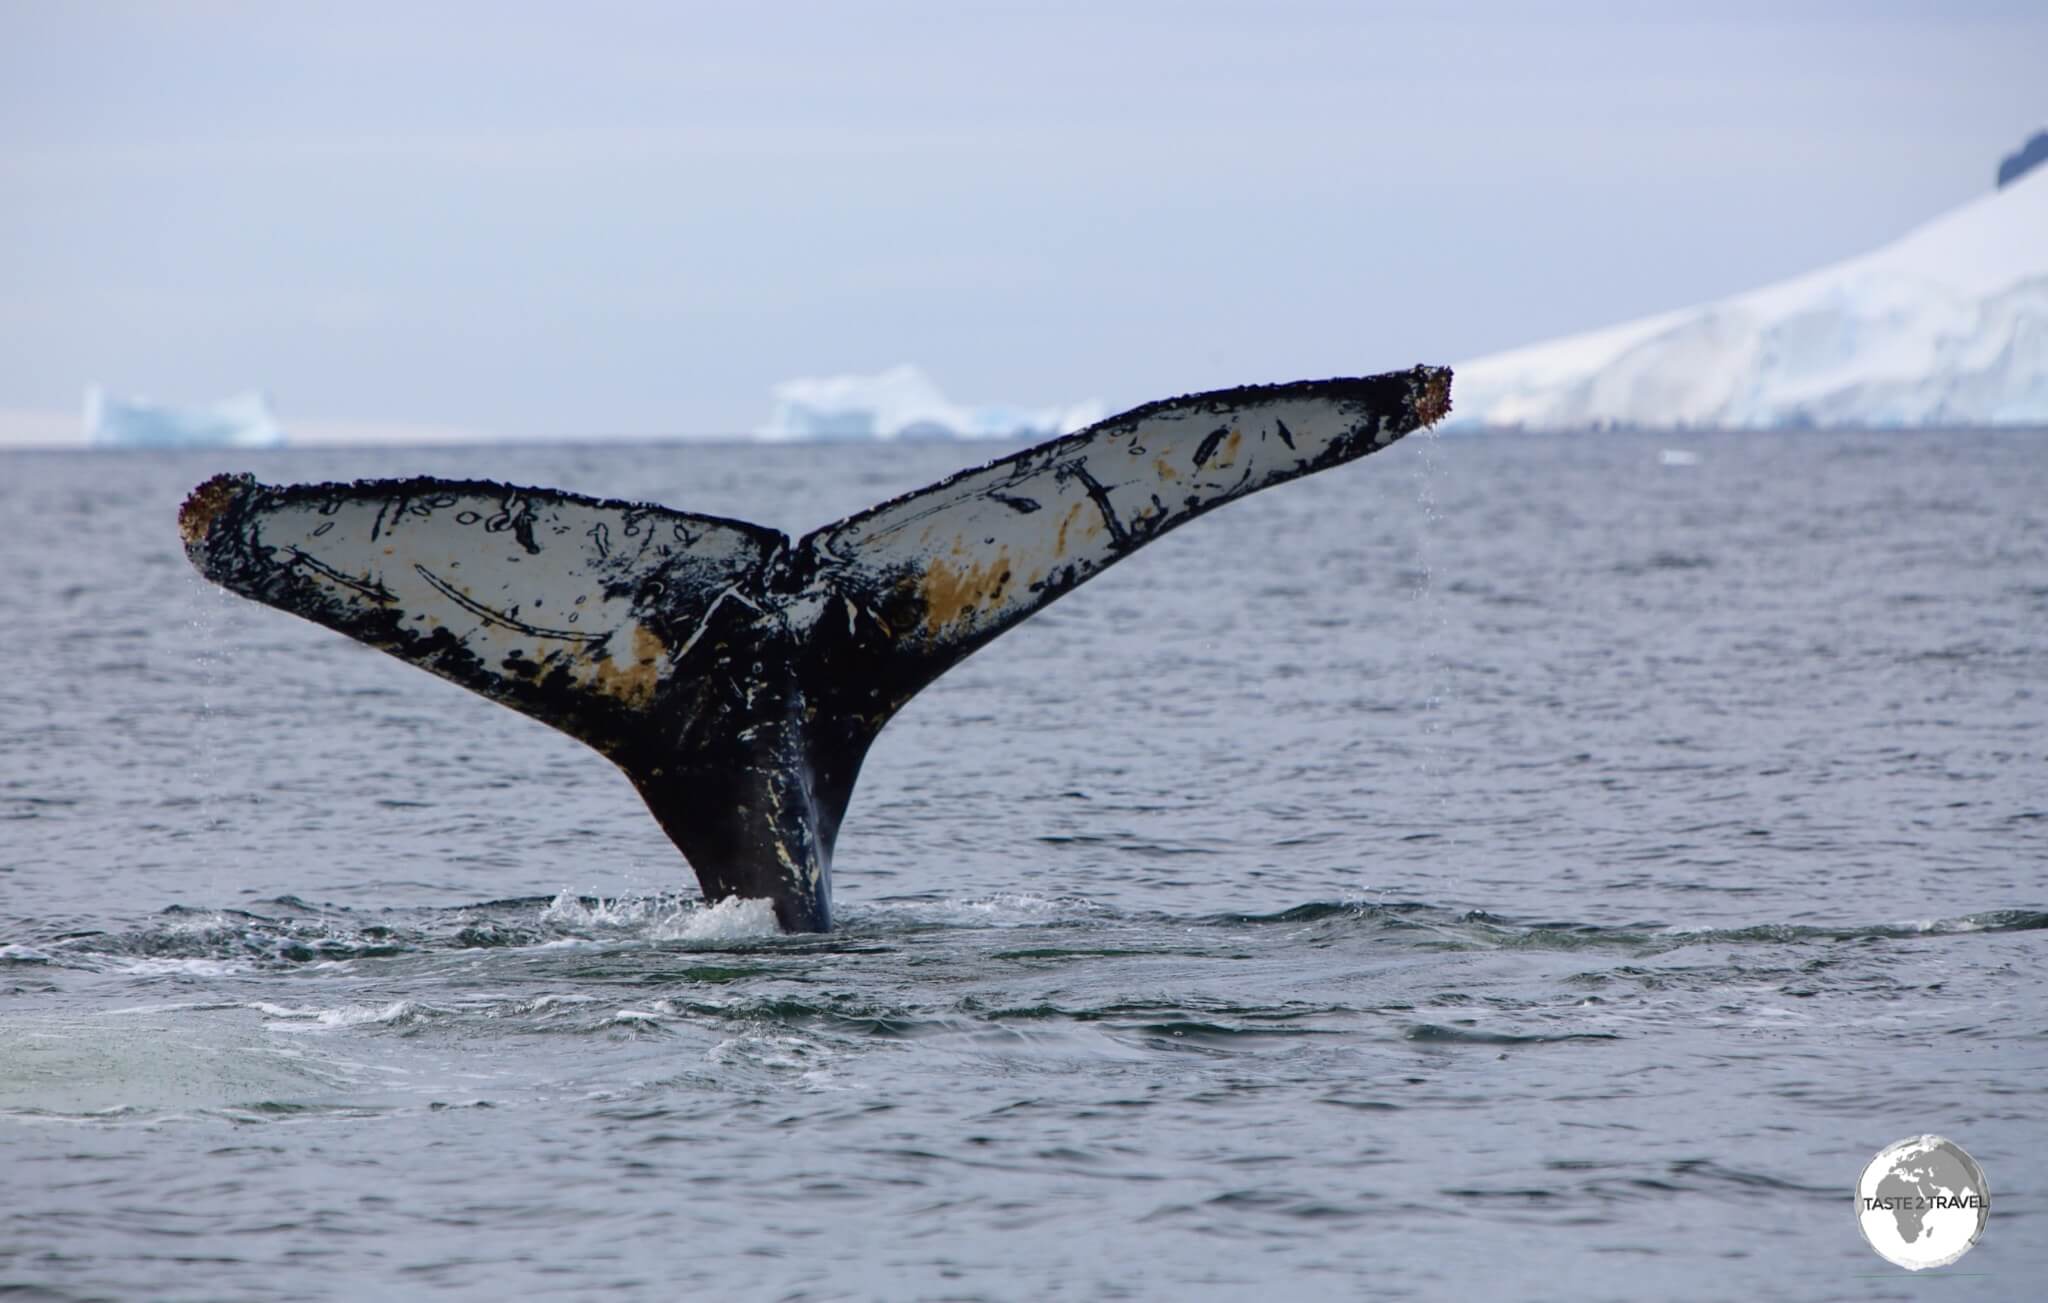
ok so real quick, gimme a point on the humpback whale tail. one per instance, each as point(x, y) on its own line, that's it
point(736, 677)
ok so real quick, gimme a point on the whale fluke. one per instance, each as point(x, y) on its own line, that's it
point(738, 679)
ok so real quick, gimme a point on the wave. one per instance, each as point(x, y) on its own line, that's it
point(287, 932)
point(1476, 929)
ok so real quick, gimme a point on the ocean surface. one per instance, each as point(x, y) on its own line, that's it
point(1523, 867)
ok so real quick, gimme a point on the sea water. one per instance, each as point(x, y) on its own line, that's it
point(1510, 866)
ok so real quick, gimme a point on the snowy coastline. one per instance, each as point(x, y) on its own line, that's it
point(1946, 326)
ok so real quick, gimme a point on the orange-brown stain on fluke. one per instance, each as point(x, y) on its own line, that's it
point(1230, 447)
point(953, 592)
point(1165, 469)
point(634, 682)
point(1060, 544)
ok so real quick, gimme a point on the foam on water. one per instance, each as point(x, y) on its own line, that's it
point(728, 920)
point(349, 1016)
point(185, 967)
point(665, 917)
point(1003, 909)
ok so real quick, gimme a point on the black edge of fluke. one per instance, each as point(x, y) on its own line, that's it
point(738, 679)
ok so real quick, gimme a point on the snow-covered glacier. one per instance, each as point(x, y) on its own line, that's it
point(1947, 325)
point(902, 402)
point(244, 421)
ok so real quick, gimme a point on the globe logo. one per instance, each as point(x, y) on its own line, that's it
point(1922, 1202)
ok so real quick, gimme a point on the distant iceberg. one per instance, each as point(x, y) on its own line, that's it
point(903, 403)
point(244, 421)
point(1947, 326)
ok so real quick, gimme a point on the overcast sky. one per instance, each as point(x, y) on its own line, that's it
point(634, 218)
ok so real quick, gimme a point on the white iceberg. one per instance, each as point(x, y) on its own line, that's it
point(903, 403)
point(1947, 326)
point(244, 421)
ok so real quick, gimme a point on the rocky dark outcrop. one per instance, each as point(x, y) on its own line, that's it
point(2028, 157)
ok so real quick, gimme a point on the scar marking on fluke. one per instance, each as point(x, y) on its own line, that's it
point(1100, 496)
point(495, 616)
point(369, 588)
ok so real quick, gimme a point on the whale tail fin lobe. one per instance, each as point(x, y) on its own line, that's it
point(951, 566)
point(573, 610)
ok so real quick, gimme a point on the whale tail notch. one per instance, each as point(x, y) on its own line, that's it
point(738, 679)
